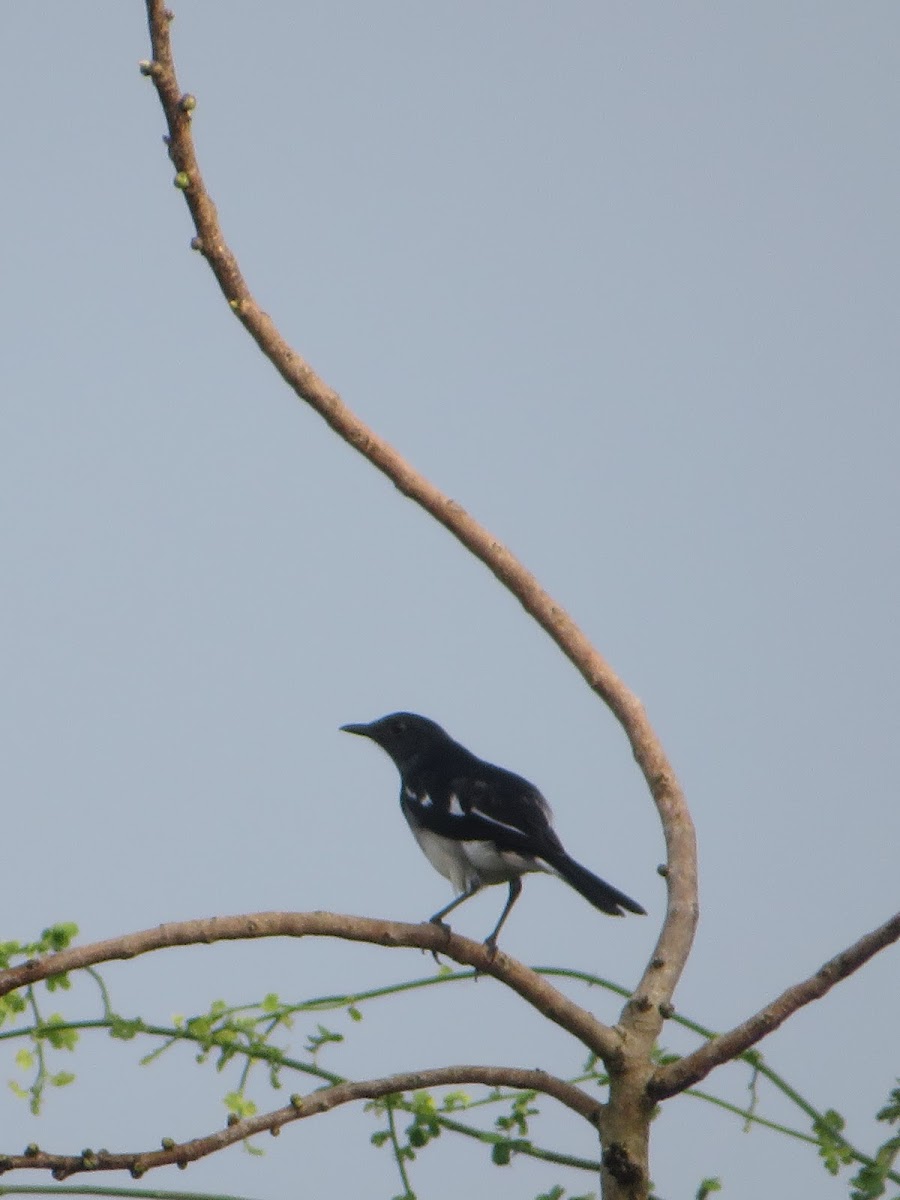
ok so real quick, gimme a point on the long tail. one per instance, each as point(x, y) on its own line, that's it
point(595, 890)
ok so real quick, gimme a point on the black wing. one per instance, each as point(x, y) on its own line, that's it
point(484, 803)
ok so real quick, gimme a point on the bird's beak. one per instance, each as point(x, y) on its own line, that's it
point(362, 730)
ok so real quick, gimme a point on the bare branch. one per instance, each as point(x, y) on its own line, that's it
point(674, 1078)
point(673, 946)
point(598, 1037)
point(181, 1153)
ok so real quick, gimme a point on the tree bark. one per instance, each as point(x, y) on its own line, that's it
point(625, 1134)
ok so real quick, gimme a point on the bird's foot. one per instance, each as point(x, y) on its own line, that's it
point(446, 928)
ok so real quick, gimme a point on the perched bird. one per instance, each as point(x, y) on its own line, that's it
point(478, 824)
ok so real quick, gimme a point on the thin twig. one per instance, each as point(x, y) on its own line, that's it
point(408, 1193)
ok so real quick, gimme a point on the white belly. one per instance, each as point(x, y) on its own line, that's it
point(471, 864)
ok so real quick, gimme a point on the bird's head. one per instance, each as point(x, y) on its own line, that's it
point(404, 736)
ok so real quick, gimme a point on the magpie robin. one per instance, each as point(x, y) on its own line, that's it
point(476, 823)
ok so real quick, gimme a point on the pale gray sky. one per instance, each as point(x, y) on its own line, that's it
point(624, 281)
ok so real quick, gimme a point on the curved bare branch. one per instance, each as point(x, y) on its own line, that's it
point(675, 1077)
point(656, 987)
point(558, 1008)
point(138, 1163)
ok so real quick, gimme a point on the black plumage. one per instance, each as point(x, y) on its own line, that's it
point(478, 824)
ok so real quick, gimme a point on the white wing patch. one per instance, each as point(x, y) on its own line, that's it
point(456, 809)
point(424, 800)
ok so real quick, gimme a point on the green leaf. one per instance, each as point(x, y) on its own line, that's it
point(316, 1041)
point(501, 1153)
point(59, 1038)
point(11, 1005)
point(59, 936)
point(521, 1109)
point(125, 1030)
point(25, 1060)
point(61, 1079)
point(239, 1104)
point(870, 1180)
point(200, 1028)
point(891, 1111)
point(418, 1136)
point(833, 1149)
point(708, 1186)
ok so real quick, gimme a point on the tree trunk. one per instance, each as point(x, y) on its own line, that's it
point(625, 1136)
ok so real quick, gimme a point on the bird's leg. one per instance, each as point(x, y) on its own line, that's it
point(438, 918)
point(515, 891)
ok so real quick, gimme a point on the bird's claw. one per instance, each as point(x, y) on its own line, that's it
point(446, 928)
